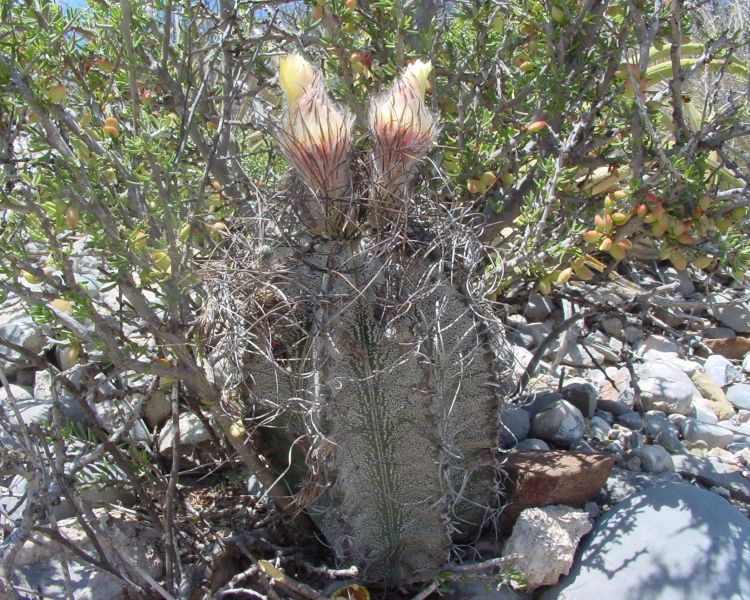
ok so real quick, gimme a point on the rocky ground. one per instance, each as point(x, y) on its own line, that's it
point(627, 453)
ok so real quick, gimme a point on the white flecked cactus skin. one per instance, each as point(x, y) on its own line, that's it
point(373, 355)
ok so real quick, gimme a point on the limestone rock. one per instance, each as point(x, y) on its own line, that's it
point(713, 435)
point(23, 332)
point(712, 471)
point(581, 394)
point(665, 388)
point(544, 541)
point(732, 312)
point(654, 459)
point(739, 395)
point(713, 393)
point(721, 370)
point(670, 542)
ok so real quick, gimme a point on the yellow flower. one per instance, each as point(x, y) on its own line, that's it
point(295, 76)
point(403, 107)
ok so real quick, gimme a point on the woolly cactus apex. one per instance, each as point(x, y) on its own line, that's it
point(403, 129)
point(316, 137)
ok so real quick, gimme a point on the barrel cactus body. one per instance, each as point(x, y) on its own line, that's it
point(371, 350)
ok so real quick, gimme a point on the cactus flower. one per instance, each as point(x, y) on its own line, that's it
point(316, 134)
point(403, 129)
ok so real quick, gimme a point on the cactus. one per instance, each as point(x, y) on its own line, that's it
point(371, 367)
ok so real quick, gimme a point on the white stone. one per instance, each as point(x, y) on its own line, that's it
point(721, 370)
point(666, 388)
point(544, 541)
point(192, 433)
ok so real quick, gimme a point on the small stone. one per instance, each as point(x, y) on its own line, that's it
point(721, 370)
point(631, 420)
point(599, 428)
point(685, 286)
point(658, 343)
point(739, 395)
point(633, 334)
point(615, 448)
point(582, 446)
point(714, 436)
point(560, 423)
point(553, 477)
point(657, 422)
point(669, 440)
point(535, 333)
point(746, 363)
point(665, 388)
point(614, 407)
point(732, 313)
point(723, 492)
point(532, 445)
point(612, 326)
point(192, 433)
point(539, 401)
point(703, 411)
point(738, 447)
point(713, 393)
point(676, 420)
point(607, 417)
point(514, 426)
point(538, 307)
point(23, 332)
point(581, 394)
point(654, 459)
point(739, 429)
point(543, 543)
point(718, 333)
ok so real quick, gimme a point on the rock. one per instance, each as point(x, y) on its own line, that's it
point(612, 326)
point(622, 484)
point(714, 334)
point(732, 313)
point(582, 446)
point(739, 395)
point(538, 307)
point(515, 424)
point(553, 477)
point(581, 394)
point(534, 334)
point(654, 459)
point(560, 423)
point(734, 348)
point(467, 588)
point(685, 286)
point(614, 407)
point(671, 542)
point(657, 422)
point(23, 332)
point(521, 359)
point(575, 356)
point(192, 434)
point(658, 343)
point(112, 414)
point(29, 408)
point(738, 428)
point(631, 420)
point(703, 411)
point(665, 388)
point(543, 543)
point(605, 416)
point(532, 444)
point(721, 370)
point(711, 471)
point(609, 347)
point(628, 438)
point(538, 401)
point(599, 428)
point(616, 448)
point(158, 408)
point(713, 435)
point(669, 440)
point(633, 334)
point(37, 564)
point(713, 393)
point(746, 363)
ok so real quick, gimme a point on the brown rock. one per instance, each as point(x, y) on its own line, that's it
point(539, 478)
point(712, 392)
point(734, 348)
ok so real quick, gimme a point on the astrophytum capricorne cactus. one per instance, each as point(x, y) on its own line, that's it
point(375, 368)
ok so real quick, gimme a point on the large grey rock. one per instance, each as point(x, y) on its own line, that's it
point(654, 459)
point(544, 541)
point(671, 542)
point(560, 423)
point(540, 400)
point(21, 332)
point(713, 472)
point(732, 313)
point(713, 436)
point(514, 426)
point(622, 484)
point(721, 370)
point(665, 388)
point(739, 395)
